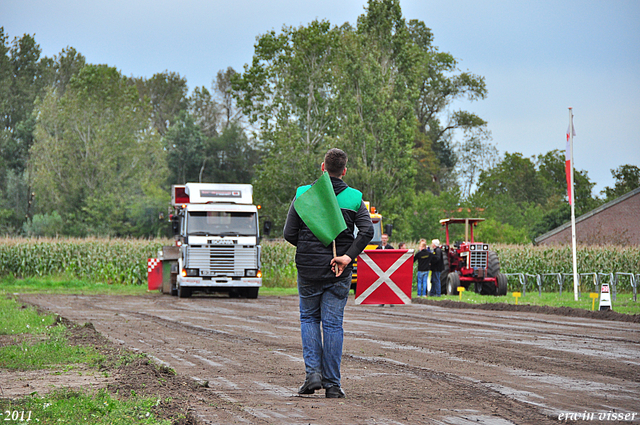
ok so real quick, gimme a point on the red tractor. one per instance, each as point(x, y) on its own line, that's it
point(471, 262)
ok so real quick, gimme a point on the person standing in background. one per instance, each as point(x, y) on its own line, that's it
point(384, 244)
point(424, 258)
point(437, 265)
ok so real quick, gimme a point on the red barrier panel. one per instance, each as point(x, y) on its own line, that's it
point(154, 274)
point(385, 276)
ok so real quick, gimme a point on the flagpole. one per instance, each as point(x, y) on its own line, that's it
point(572, 201)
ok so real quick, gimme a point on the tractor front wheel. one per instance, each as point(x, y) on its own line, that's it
point(453, 281)
point(502, 284)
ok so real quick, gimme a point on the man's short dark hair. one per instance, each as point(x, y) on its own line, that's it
point(335, 161)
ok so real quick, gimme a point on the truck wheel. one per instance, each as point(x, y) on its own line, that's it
point(184, 292)
point(174, 289)
point(453, 281)
point(250, 293)
point(493, 264)
point(502, 284)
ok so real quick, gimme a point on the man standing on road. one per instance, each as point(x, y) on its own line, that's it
point(324, 279)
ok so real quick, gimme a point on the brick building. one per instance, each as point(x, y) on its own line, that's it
point(616, 223)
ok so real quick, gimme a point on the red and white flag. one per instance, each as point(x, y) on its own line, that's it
point(571, 131)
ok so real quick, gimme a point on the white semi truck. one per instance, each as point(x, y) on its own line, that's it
point(217, 241)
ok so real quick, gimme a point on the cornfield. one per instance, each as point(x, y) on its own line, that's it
point(124, 261)
point(121, 261)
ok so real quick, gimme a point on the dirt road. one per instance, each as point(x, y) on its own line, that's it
point(402, 365)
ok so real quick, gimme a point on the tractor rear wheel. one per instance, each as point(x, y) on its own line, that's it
point(445, 271)
point(493, 264)
point(502, 284)
point(453, 281)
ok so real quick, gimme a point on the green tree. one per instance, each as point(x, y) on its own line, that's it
point(186, 150)
point(378, 127)
point(22, 80)
point(436, 83)
point(627, 178)
point(205, 111)
point(233, 157)
point(224, 88)
point(166, 92)
point(286, 93)
point(378, 90)
point(552, 173)
point(514, 176)
point(94, 153)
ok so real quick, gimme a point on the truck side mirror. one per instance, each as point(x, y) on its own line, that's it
point(175, 224)
point(266, 227)
point(388, 229)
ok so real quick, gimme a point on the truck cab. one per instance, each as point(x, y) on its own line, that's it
point(216, 230)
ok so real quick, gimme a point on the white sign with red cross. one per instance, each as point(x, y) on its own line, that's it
point(154, 274)
point(385, 276)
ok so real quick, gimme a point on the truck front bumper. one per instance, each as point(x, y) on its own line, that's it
point(220, 282)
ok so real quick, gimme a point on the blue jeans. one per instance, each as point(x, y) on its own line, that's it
point(323, 303)
point(435, 284)
point(423, 283)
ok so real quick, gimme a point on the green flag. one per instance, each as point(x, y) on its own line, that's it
point(318, 208)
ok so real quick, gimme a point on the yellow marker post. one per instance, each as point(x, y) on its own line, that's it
point(593, 295)
point(461, 289)
point(517, 295)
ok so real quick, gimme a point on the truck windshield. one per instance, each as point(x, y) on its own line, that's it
point(221, 223)
point(377, 232)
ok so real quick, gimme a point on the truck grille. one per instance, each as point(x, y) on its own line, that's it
point(222, 260)
point(478, 259)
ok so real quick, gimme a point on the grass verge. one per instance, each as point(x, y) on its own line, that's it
point(66, 285)
point(32, 341)
point(81, 407)
point(623, 304)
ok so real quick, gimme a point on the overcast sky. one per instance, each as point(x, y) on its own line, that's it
point(539, 57)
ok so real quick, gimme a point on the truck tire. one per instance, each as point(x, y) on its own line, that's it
point(493, 264)
point(502, 284)
point(184, 292)
point(453, 281)
point(174, 289)
point(251, 293)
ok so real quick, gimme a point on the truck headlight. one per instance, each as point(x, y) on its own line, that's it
point(191, 272)
point(251, 272)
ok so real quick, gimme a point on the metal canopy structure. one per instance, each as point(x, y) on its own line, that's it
point(466, 221)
